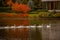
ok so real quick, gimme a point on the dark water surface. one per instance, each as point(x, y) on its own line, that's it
point(49, 31)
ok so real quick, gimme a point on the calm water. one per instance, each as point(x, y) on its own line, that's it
point(49, 30)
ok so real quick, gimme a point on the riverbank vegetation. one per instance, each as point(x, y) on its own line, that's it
point(37, 14)
point(44, 14)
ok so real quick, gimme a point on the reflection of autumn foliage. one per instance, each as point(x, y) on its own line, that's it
point(25, 22)
point(17, 33)
point(11, 19)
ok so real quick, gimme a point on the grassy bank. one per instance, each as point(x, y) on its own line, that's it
point(45, 14)
point(38, 14)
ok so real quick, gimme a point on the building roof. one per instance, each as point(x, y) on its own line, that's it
point(50, 0)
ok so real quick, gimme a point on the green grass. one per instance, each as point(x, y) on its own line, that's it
point(45, 14)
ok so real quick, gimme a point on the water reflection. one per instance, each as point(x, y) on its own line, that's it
point(47, 29)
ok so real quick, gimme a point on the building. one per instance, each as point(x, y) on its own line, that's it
point(51, 4)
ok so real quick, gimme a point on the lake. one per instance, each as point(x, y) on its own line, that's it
point(38, 29)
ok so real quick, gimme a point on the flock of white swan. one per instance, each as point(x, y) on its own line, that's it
point(30, 26)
